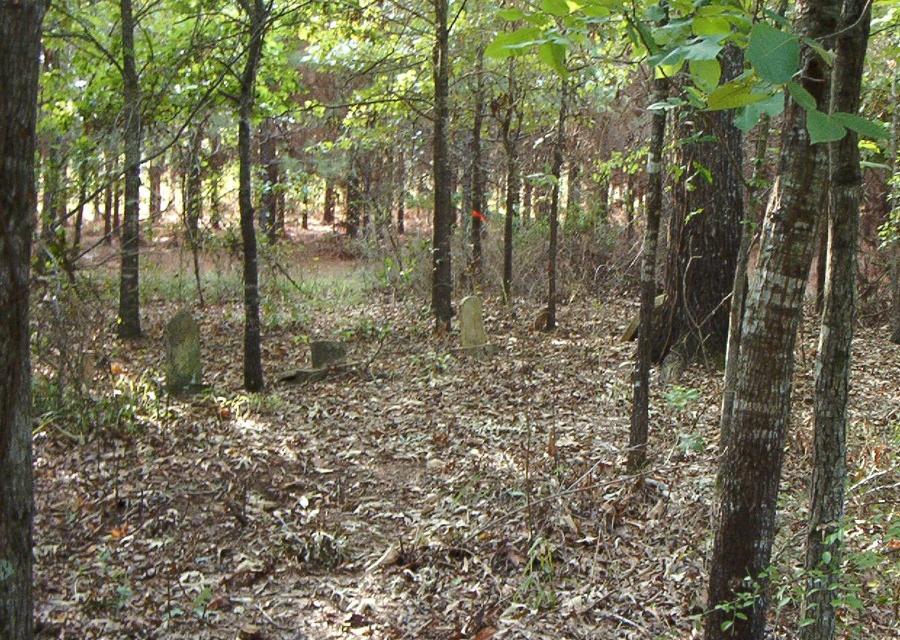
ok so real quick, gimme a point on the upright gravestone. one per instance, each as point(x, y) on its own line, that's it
point(182, 337)
point(471, 326)
point(326, 353)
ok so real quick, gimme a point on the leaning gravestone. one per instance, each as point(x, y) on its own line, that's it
point(182, 337)
point(326, 355)
point(471, 325)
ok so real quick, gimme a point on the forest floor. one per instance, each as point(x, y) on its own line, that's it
point(429, 496)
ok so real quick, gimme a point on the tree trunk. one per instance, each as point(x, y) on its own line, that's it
point(330, 193)
point(83, 176)
point(193, 203)
point(354, 204)
point(20, 39)
point(640, 407)
point(573, 187)
point(894, 252)
point(750, 470)
point(629, 206)
point(107, 214)
point(129, 300)
point(556, 171)
point(703, 232)
point(829, 475)
point(156, 172)
point(441, 278)
point(821, 266)
point(268, 158)
point(401, 197)
point(527, 201)
point(477, 212)
point(257, 14)
point(739, 288)
point(117, 201)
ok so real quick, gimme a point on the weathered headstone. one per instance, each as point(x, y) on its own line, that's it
point(471, 322)
point(471, 325)
point(326, 353)
point(182, 338)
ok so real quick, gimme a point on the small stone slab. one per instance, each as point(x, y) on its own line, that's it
point(300, 376)
point(471, 322)
point(183, 369)
point(471, 326)
point(327, 353)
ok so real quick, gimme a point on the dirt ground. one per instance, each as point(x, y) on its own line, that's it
point(428, 495)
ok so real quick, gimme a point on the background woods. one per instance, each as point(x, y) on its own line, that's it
point(449, 319)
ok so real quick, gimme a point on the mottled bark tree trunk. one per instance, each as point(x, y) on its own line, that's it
point(20, 38)
point(477, 202)
point(441, 277)
point(268, 158)
point(257, 14)
point(739, 288)
point(510, 125)
point(83, 177)
point(703, 232)
point(556, 172)
point(836, 336)
point(193, 202)
point(117, 207)
point(750, 469)
point(894, 256)
point(640, 406)
point(129, 293)
point(821, 266)
point(527, 202)
point(401, 194)
point(155, 174)
point(354, 203)
point(329, 205)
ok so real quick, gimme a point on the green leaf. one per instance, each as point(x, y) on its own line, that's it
point(824, 53)
point(554, 55)
point(513, 43)
point(558, 8)
point(863, 126)
point(823, 128)
point(734, 94)
point(775, 55)
point(704, 49)
point(711, 26)
point(511, 14)
point(801, 96)
point(705, 73)
point(750, 114)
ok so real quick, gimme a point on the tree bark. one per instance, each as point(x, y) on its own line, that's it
point(257, 14)
point(739, 288)
point(894, 252)
point(750, 469)
point(704, 232)
point(556, 172)
point(442, 277)
point(129, 293)
point(20, 38)
point(156, 172)
point(329, 206)
point(193, 203)
point(836, 336)
point(477, 187)
point(640, 406)
point(268, 158)
point(401, 194)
